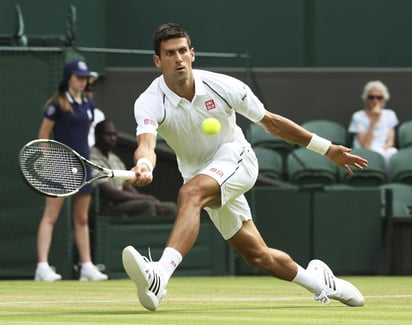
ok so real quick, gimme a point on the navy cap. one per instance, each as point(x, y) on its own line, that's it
point(77, 67)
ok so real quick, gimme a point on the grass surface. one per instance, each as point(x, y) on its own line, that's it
point(202, 300)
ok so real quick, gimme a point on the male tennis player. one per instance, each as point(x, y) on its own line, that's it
point(217, 170)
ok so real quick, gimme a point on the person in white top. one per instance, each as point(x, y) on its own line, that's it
point(374, 125)
point(98, 114)
point(217, 170)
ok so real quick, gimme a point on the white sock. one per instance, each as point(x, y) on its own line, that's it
point(42, 265)
point(169, 261)
point(86, 265)
point(306, 280)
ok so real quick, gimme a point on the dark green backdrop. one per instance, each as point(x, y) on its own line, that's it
point(277, 33)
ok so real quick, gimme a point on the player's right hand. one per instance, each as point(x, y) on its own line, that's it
point(143, 176)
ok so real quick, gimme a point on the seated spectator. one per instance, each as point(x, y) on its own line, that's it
point(116, 196)
point(374, 125)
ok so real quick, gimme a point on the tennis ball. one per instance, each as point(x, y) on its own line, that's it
point(211, 126)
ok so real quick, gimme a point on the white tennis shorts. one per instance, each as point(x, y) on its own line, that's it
point(235, 168)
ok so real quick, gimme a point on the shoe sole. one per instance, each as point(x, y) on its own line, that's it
point(85, 279)
point(134, 265)
point(353, 302)
point(39, 278)
point(42, 280)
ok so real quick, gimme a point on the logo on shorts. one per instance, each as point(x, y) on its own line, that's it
point(210, 104)
point(149, 122)
point(216, 171)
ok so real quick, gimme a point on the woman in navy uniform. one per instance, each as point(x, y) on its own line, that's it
point(68, 115)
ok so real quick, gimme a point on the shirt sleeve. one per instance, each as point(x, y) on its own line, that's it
point(357, 124)
point(52, 112)
point(245, 102)
point(392, 119)
point(146, 113)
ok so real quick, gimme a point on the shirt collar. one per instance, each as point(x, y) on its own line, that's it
point(174, 98)
point(69, 97)
point(71, 100)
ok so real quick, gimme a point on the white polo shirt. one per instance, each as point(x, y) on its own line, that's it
point(178, 121)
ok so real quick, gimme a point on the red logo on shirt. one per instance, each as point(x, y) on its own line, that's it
point(210, 104)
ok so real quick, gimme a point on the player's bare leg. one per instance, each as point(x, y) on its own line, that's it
point(201, 191)
point(251, 246)
point(317, 278)
point(151, 277)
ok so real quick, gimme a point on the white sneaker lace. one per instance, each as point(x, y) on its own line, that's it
point(329, 283)
point(323, 298)
point(154, 276)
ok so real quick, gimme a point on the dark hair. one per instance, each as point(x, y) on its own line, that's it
point(168, 31)
point(99, 128)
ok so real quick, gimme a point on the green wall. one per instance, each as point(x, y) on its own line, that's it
point(277, 33)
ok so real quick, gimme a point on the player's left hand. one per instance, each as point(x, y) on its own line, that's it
point(342, 157)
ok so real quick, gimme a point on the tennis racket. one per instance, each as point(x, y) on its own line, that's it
point(56, 170)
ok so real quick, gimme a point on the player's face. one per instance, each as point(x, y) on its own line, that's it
point(175, 60)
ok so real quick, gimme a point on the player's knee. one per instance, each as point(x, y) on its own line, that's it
point(266, 259)
point(256, 259)
point(190, 193)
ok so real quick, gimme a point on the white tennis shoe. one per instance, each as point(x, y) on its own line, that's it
point(46, 274)
point(151, 288)
point(333, 287)
point(91, 273)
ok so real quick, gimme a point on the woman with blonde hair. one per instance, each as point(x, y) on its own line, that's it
point(374, 125)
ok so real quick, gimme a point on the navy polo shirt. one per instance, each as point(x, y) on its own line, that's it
point(72, 128)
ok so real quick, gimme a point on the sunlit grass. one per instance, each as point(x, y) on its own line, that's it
point(202, 300)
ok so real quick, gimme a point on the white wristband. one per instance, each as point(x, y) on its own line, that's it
point(319, 144)
point(147, 162)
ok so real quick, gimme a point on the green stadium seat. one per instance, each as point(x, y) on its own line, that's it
point(258, 137)
point(374, 175)
point(401, 193)
point(405, 134)
point(270, 165)
point(331, 130)
point(305, 167)
point(401, 166)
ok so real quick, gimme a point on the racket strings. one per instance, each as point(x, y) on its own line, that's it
point(52, 169)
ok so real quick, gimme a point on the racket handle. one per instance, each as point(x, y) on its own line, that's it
point(123, 174)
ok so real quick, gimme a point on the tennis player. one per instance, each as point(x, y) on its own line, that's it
point(217, 170)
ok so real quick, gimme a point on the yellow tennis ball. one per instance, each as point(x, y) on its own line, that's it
point(211, 126)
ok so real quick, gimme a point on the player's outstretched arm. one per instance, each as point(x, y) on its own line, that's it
point(284, 128)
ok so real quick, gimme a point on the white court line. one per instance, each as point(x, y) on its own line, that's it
point(209, 299)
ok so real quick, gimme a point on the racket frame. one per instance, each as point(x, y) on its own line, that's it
point(104, 172)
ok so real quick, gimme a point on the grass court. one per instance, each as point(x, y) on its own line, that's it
point(202, 300)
